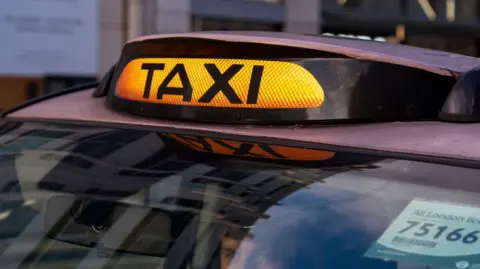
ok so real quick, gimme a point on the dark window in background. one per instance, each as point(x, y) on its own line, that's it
point(350, 3)
point(477, 10)
point(213, 24)
point(404, 7)
point(434, 5)
point(270, 1)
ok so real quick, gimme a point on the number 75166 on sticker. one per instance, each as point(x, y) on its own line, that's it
point(436, 233)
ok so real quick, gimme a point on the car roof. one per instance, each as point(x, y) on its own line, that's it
point(426, 138)
point(439, 62)
point(419, 138)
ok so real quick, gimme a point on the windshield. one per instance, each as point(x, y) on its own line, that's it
point(88, 197)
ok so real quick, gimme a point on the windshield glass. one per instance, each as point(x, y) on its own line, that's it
point(89, 197)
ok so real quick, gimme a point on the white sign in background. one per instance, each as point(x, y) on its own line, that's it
point(39, 37)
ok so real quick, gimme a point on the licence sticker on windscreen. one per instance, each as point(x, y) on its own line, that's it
point(435, 233)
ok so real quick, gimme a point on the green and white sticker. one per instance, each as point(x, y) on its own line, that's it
point(434, 233)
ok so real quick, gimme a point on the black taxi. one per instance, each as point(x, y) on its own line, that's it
point(249, 150)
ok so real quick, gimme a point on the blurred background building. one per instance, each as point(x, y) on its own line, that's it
point(52, 44)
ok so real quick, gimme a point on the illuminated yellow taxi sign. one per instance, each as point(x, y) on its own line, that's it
point(219, 83)
point(244, 149)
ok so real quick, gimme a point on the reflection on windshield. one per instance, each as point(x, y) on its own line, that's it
point(79, 197)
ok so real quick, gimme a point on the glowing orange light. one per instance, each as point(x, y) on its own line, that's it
point(242, 83)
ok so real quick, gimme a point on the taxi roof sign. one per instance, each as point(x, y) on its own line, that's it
point(205, 79)
point(219, 83)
